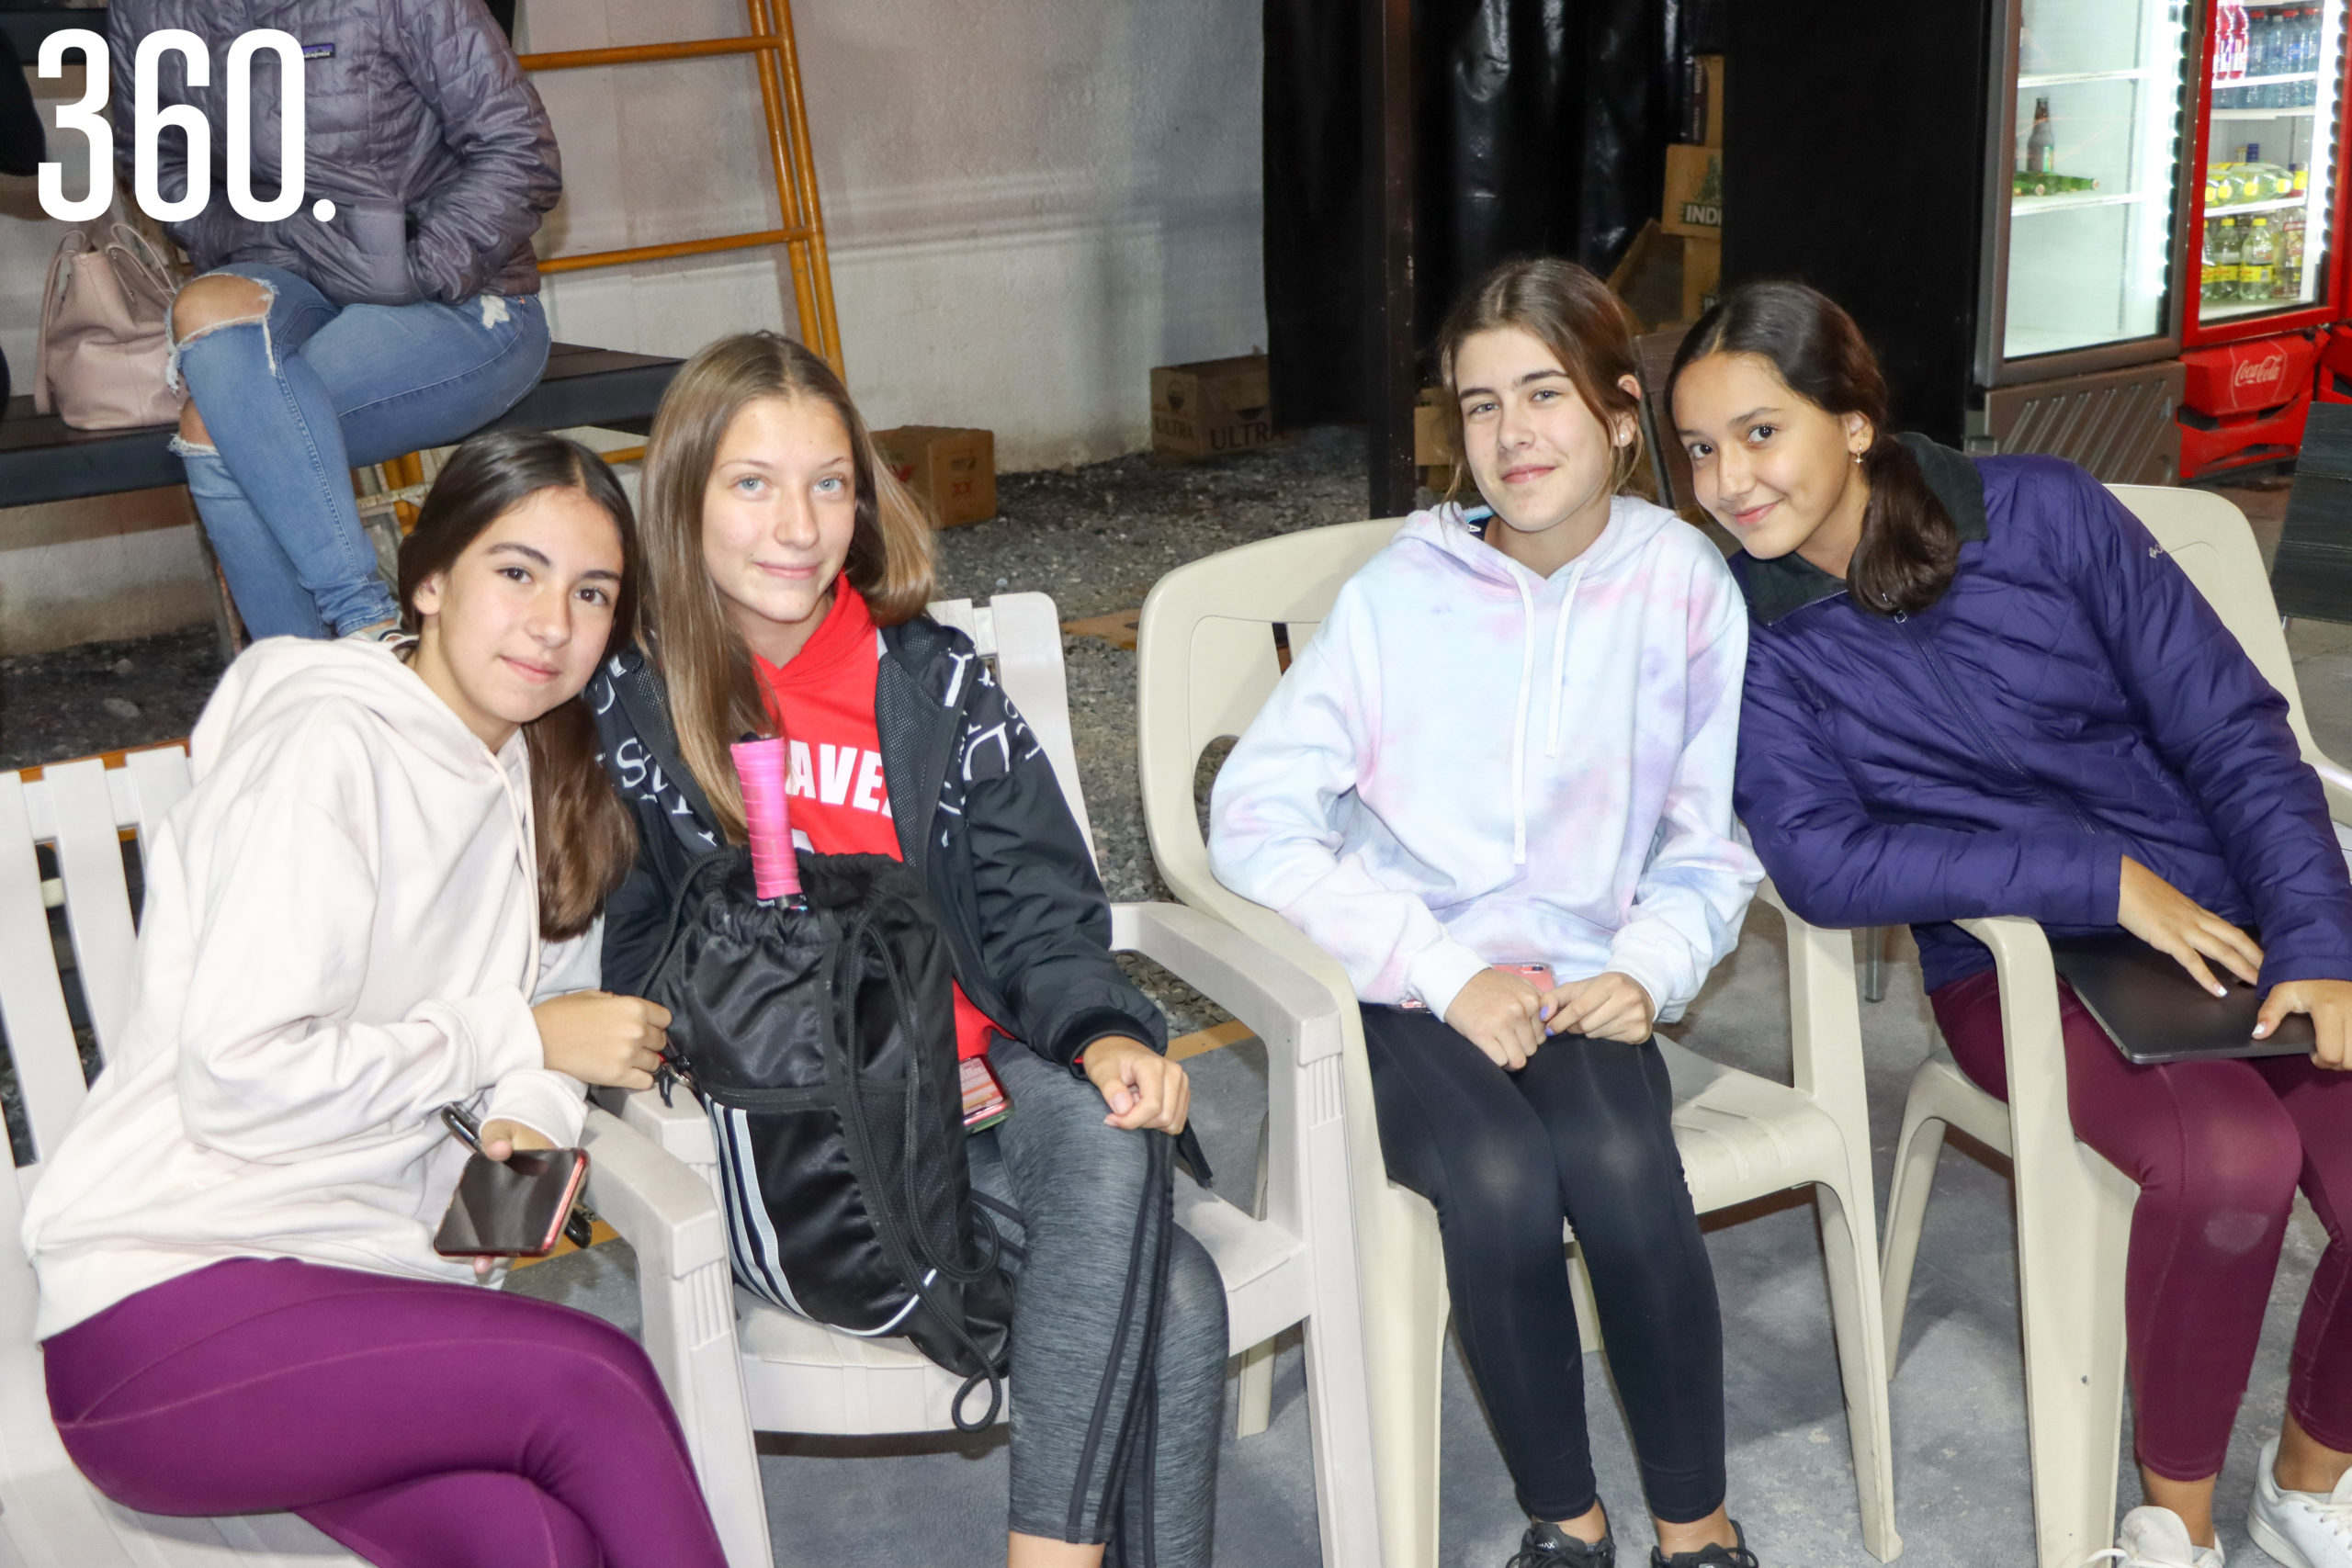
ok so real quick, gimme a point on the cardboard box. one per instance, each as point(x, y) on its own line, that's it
point(953, 470)
point(1703, 276)
point(1211, 406)
point(1694, 193)
point(1707, 90)
point(1432, 453)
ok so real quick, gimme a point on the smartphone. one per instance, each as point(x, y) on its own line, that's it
point(1536, 974)
point(512, 1208)
point(985, 1103)
point(579, 1224)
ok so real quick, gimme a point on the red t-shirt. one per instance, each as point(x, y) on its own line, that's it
point(823, 704)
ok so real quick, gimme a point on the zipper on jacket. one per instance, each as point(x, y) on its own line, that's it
point(1976, 726)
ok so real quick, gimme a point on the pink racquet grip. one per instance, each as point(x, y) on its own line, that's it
point(765, 769)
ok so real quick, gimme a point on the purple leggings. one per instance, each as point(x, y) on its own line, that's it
point(2218, 1149)
point(421, 1424)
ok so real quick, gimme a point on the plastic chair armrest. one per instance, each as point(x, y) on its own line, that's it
point(2035, 1049)
point(1284, 1004)
point(680, 1129)
point(1824, 1020)
point(656, 1201)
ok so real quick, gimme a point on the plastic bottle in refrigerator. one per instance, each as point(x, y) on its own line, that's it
point(2222, 263)
point(2259, 263)
point(2290, 257)
point(2217, 279)
point(2230, 65)
point(2261, 50)
point(2040, 142)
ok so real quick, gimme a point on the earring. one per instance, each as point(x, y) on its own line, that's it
point(1857, 460)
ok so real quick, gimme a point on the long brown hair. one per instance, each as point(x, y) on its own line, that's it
point(585, 840)
point(714, 691)
point(1569, 312)
point(1909, 547)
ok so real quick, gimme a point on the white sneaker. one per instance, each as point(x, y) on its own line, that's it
point(2302, 1530)
point(2156, 1538)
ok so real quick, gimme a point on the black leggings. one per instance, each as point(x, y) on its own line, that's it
point(1582, 1131)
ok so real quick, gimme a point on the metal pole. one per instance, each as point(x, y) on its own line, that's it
point(1390, 382)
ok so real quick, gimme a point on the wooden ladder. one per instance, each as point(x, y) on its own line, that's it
point(802, 234)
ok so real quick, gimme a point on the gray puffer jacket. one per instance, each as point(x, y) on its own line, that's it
point(422, 131)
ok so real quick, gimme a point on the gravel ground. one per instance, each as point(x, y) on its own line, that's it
point(104, 696)
point(1095, 537)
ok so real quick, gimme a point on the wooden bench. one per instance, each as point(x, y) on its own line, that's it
point(43, 458)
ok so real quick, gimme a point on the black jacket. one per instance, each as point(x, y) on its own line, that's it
point(982, 820)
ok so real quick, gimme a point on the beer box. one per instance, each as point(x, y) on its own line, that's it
point(1707, 71)
point(1703, 276)
point(1431, 448)
point(1211, 406)
point(1694, 193)
point(953, 470)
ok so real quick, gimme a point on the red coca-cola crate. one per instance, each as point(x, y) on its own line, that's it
point(2244, 404)
point(2335, 368)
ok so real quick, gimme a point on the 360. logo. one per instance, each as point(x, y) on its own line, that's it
point(149, 121)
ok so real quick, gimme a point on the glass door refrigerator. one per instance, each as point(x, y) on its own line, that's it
point(2268, 224)
point(1998, 190)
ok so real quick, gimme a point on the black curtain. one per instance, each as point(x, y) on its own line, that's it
point(1541, 127)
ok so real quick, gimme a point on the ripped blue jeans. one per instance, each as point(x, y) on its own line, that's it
point(292, 402)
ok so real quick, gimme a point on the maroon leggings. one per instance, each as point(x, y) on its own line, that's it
point(2218, 1149)
point(421, 1424)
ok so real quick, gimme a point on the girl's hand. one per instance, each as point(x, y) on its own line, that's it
point(2162, 916)
point(1610, 1006)
point(1142, 1088)
point(1500, 1014)
point(500, 1138)
point(600, 1038)
point(2330, 1004)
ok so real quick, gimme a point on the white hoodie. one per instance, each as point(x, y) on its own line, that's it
point(1470, 764)
point(339, 937)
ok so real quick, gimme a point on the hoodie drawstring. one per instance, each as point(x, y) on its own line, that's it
point(1526, 694)
point(519, 812)
point(1560, 662)
point(1519, 724)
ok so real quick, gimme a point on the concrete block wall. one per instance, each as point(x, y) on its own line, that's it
point(1029, 206)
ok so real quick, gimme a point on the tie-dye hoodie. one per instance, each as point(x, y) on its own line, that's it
point(1471, 764)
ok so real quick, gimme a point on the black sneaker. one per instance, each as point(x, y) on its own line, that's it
point(1709, 1556)
point(1548, 1546)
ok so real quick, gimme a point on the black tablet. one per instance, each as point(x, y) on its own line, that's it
point(2154, 1012)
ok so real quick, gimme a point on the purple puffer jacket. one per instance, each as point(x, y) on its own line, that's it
point(2071, 700)
point(422, 129)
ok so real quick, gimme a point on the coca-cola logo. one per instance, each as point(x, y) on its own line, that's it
point(2267, 371)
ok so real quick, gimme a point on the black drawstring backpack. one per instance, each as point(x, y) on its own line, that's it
point(821, 1042)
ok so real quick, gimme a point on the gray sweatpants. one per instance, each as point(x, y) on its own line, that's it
point(1079, 1187)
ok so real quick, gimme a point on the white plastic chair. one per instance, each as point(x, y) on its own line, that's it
point(2074, 1208)
point(1206, 664)
point(51, 1518)
point(1294, 1266)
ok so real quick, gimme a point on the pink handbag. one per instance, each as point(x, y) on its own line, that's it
point(105, 335)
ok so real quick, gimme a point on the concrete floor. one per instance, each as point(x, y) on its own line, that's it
point(1961, 1478)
